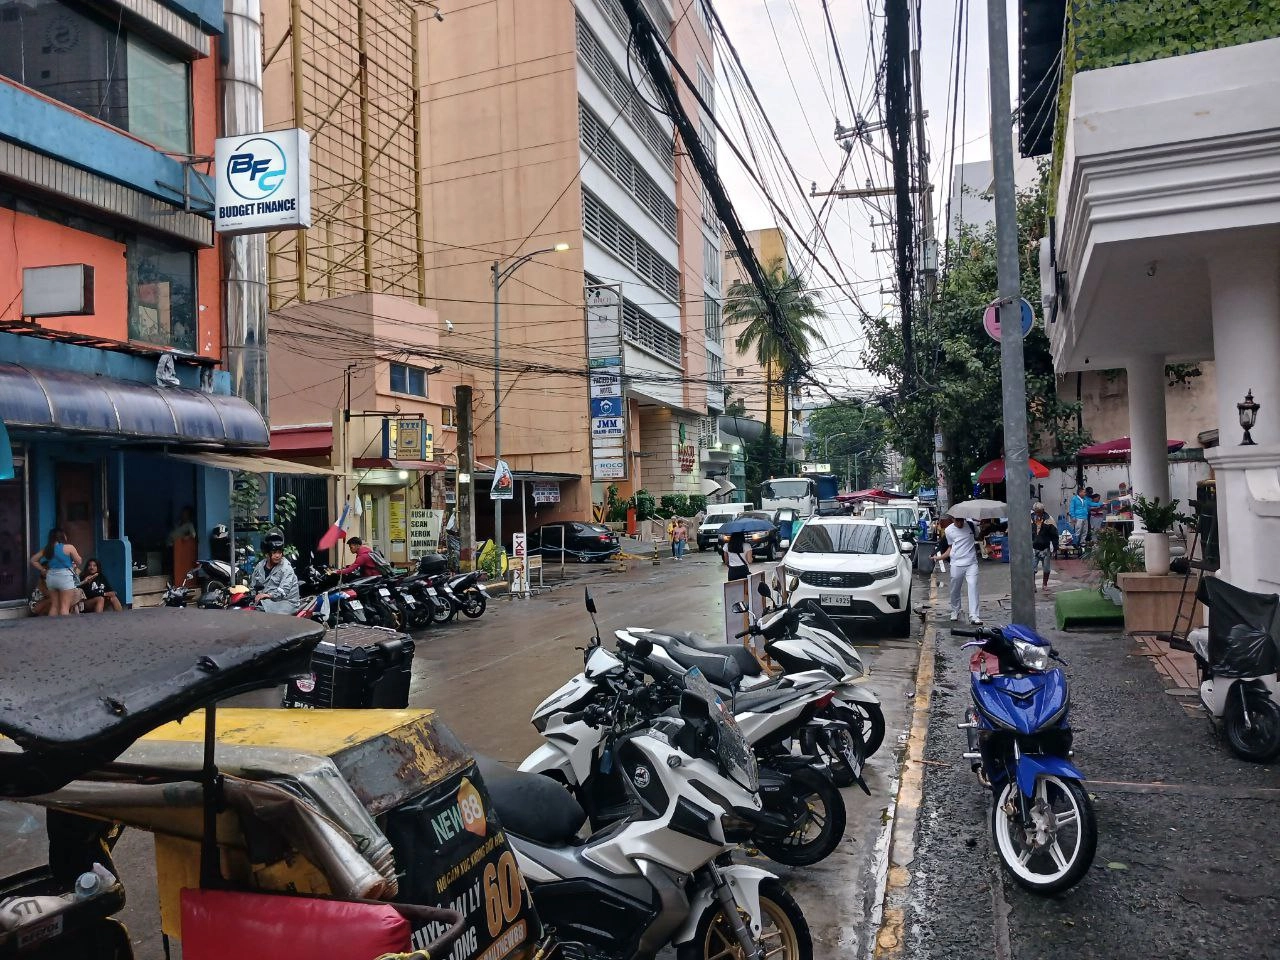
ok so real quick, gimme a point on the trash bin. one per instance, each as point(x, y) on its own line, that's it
point(354, 667)
point(925, 549)
point(1206, 506)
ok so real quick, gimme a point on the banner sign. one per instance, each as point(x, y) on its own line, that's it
point(546, 491)
point(424, 531)
point(262, 182)
point(503, 487)
point(607, 402)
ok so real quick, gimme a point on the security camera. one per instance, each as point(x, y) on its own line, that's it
point(448, 326)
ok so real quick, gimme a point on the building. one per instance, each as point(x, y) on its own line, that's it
point(108, 115)
point(1166, 234)
point(749, 380)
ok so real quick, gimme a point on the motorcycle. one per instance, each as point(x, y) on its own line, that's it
point(208, 584)
point(662, 875)
point(466, 594)
point(1019, 744)
point(1237, 658)
point(802, 797)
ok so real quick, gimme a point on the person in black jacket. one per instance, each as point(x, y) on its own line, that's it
point(1044, 541)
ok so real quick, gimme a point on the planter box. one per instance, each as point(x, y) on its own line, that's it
point(1151, 601)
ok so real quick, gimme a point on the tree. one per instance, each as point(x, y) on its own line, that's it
point(780, 347)
point(852, 435)
point(958, 365)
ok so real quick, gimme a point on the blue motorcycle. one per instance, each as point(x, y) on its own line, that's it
point(1042, 821)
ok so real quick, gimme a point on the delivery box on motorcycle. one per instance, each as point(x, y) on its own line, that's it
point(356, 666)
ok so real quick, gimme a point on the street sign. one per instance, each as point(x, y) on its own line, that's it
point(608, 468)
point(606, 407)
point(815, 468)
point(991, 320)
point(607, 404)
point(606, 385)
point(546, 491)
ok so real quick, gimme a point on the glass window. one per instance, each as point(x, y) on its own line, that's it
point(898, 516)
point(162, 294)
point(406, 379)
point(89, 62)
point(845, 538)
point(449, 418)
point(785, 489)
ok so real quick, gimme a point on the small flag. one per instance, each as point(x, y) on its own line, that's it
point(337, 531)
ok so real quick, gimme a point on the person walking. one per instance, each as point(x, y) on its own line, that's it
point(1078, 512)
point(960, 538)
point(58, 561)
point(1044, 540)
point(737, 556)
point(681, 539)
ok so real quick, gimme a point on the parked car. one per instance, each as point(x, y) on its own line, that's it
point(904, 516)
point(582, 541)
point(761, 531)
point(854, 567)
point(717, 516)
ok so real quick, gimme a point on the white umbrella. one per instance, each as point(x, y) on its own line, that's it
point(979, 510)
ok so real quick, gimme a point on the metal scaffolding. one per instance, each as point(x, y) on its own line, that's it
point(353, 68)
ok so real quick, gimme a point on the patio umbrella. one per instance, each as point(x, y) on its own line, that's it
point(979, 510)
point(993, 472)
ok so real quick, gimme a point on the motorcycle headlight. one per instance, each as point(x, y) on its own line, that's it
point(1031, 656)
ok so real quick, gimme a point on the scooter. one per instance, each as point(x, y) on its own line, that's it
point(664, 875)
point(1237, 658)
point(1042, 820)
point(208, 583)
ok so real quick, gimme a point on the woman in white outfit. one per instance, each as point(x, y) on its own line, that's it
point(962, 550)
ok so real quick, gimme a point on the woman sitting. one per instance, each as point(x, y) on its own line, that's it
point(97, 591)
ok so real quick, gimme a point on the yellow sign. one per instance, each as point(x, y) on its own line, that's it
point(409, 439)
point(396, 517)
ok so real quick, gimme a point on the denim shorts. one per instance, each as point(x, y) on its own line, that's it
point(60, 579)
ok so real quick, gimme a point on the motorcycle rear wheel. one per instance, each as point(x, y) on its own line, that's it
point(823, 827)
point(1258, 740)
point(1067, 805)
point(785, 934)
point(442, 611)
point(473, 605)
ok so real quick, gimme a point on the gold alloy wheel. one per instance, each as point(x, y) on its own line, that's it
point(778, 936)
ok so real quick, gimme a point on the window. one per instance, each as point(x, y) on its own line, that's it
point(449, 418)
point(90, 63)
point(162, 294)
point(615, 81)
point(602, 225)
point(711, 320)
point(707, 134)
point(711, 261)
point(410, 380)
point(715, 371)
point(786, 489)
point(706, 88)
point(846, 538)
point(704, 11)
point(609, 153)
point(646, 331)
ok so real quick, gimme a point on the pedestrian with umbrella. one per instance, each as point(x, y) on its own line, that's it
point(960, 538)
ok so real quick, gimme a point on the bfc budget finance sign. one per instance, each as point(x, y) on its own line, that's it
point(263, 182)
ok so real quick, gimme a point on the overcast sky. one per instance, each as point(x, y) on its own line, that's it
point(786, 49)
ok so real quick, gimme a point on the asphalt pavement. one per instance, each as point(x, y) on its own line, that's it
point(1187, 866)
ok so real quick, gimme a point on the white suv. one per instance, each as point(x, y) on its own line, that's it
point(853, 567)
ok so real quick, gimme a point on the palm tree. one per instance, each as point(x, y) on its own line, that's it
point(782, 348)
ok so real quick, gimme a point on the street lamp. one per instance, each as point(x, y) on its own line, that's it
point(501, 274)
point(826, 446)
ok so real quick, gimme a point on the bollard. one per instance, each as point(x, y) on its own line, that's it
point(657, 554)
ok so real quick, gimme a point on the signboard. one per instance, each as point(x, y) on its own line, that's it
point(413, 440)
point(687, 454)
point(815, 468)
point(424, 531)
point(397, 528)
point(519, 571)
point(607, 402)
point(503, 487)
point(546, 491)
point(262, 182)
point(991, 320)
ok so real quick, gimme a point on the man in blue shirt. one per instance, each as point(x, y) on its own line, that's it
point(1078, 511)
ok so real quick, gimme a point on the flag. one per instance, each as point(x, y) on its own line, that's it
point(337, 531)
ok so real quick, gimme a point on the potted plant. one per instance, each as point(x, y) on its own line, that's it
point(1158, 519)
point(1113, 555)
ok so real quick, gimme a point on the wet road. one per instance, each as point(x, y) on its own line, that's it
point(485, 677)
point(1188, 865)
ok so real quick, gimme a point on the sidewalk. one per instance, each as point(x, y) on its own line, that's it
point(1187, 863)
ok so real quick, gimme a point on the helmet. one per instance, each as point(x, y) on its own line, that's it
point(274, 540)
point(220, 532)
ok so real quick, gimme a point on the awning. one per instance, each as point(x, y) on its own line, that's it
point(314, 441)
point(528, 475)
point(386, 463)
point(994, 471)
point(1118, 450)
point(253, 463)
point(39, 399)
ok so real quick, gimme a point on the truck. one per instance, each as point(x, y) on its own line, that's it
point(809, 495)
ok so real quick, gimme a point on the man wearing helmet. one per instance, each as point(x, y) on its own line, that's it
point(274, 584)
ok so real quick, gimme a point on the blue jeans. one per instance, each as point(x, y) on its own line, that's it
point(678, 548)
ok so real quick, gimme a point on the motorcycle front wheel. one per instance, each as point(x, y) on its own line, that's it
point(1057, 849)
point(784, 934)
point(821, 825)
point(1252, 726)
point(473, 605)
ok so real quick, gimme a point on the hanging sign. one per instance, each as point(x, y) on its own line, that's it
point(262, 182)
point(546, 491)
point(503, 487)
point(607, 404)
point(991, 320)
point(414, 440)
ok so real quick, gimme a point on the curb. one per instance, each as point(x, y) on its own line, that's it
point(901, 853)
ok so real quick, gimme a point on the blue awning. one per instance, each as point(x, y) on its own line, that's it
point(57, 400)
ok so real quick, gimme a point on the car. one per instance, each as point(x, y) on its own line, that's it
point(904, 516)
point(765, 542)
point(855, 568)
point(717, 516)
point(582, 541)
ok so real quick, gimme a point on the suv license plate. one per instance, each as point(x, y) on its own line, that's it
point(834, 600)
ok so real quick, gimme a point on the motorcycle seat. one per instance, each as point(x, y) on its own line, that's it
point(531, 805)
point(719, 669)
point(742, 658)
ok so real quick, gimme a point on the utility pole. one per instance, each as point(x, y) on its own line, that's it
point(466, 480)
point(1013, 374)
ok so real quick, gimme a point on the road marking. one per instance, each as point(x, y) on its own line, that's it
point(906, 806)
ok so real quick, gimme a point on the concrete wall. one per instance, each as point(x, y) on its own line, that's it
point(660, 439)
point(1190, 408)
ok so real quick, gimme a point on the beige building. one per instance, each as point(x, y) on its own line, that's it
point(744, 372)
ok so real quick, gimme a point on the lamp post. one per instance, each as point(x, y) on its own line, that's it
point(826, 446)
point(501, 274)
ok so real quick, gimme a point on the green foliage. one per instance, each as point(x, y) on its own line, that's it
point(1113, 555)
point(492, 560)
point(646, 506)
point(675, 505)
point(697, 503)
point(1157, 517)
point(858, 432)
point(958, 365)
point(246, 501)
point(759, 453)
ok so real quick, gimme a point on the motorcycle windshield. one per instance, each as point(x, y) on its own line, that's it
point(735, 756)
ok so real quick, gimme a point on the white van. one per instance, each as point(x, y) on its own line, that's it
point(718, 514)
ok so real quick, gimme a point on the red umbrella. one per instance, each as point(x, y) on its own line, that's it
point(993, 472)
point(1118, 449)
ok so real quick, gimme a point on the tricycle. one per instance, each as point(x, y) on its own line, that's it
point(344, 834)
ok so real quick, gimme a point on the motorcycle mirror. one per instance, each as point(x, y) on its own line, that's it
point(739, 607)
point(763, 589)
point(591, 603)
point(643, 649)
point(792, 584)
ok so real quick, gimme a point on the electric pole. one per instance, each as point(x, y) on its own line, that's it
point(1013, 374)
point(466, 478)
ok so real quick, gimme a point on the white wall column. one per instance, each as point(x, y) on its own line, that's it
point(1245, 290)
point(1148, 432)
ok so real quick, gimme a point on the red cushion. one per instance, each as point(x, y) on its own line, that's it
point(217, 924)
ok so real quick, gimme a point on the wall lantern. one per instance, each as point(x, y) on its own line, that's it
point(1248, 418)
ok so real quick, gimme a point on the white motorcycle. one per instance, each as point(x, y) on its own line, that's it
point(663, 875)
